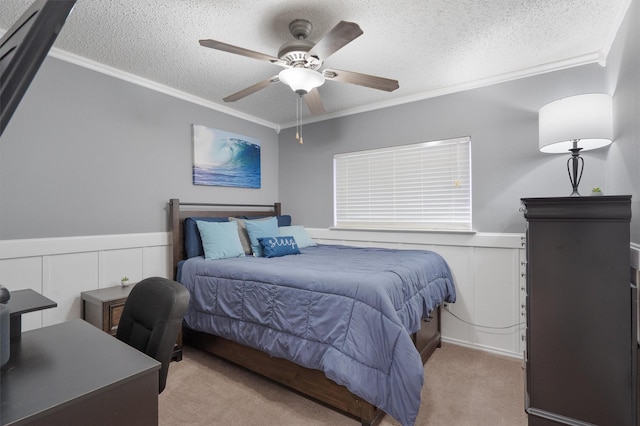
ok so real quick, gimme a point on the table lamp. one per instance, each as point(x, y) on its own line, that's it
point(574, 124)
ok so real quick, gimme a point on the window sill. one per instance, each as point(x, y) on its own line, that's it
point(408, 238)
point(410, 231)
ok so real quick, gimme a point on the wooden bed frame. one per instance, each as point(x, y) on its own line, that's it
point(310, 383)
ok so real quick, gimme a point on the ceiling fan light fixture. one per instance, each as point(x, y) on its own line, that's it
point(301, 80)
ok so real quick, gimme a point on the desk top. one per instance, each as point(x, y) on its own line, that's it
point(52, 366)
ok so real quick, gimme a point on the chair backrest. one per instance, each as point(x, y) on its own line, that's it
point(152, 318)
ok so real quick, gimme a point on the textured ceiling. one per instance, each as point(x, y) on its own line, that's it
point(430, 46)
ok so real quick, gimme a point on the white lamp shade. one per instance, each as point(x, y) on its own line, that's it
point(586, 118)
point(301, 79)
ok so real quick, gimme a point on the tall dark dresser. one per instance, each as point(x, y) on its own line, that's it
point(581, 353)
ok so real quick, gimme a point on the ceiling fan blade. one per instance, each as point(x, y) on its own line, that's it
point(366, 80)
point(251, 89)
point(218, 45)
point(336, 38)
point(314, 102)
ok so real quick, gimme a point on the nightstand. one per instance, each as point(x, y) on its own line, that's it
point(103, 308)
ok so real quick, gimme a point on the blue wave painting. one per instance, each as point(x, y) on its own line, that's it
point(222, 158)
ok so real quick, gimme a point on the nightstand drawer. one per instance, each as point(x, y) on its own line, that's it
point(115, 313)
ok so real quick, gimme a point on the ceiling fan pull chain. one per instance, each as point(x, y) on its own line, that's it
point(300, 117)
point(297, 120)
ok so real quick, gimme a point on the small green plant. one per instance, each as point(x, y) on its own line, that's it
point(596, 189)
point(125, 278)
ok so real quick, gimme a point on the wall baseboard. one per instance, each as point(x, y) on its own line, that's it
point(487, 349)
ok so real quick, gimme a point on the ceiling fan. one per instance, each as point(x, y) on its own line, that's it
point(303, 60)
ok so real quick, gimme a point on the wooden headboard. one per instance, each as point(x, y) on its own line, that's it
point(179, 211)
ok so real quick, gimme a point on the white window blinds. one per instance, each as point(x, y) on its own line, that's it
point(424, 186)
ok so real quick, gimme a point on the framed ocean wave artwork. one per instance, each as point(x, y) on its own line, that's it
point(222, 158)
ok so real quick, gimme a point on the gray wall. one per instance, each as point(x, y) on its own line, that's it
point(89, 154)
point(502, 121)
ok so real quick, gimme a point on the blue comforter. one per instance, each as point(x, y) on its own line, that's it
point(344, 310)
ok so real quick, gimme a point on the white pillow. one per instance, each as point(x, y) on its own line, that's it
point(302, 237)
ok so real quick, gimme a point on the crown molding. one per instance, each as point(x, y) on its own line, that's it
point(599, 57)
point(149, 84)
point(595, 57)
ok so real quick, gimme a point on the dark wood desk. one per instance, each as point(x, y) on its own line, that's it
point(73, 373)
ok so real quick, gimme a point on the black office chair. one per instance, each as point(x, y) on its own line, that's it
point(152, 318)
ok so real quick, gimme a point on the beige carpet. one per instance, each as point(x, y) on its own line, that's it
point(462, 387)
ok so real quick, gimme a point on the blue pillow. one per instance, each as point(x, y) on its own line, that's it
point(220, 239)
point(261, 228)
point(192, 240)
point(278, 246)
point(284, 220)
point(300, 234)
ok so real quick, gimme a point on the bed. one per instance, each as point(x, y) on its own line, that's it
point(324, 322)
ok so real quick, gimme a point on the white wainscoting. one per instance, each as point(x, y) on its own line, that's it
point(62, 268)
point(487, 269)
point(489, 277)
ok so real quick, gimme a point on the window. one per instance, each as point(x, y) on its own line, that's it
point(424, 186)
